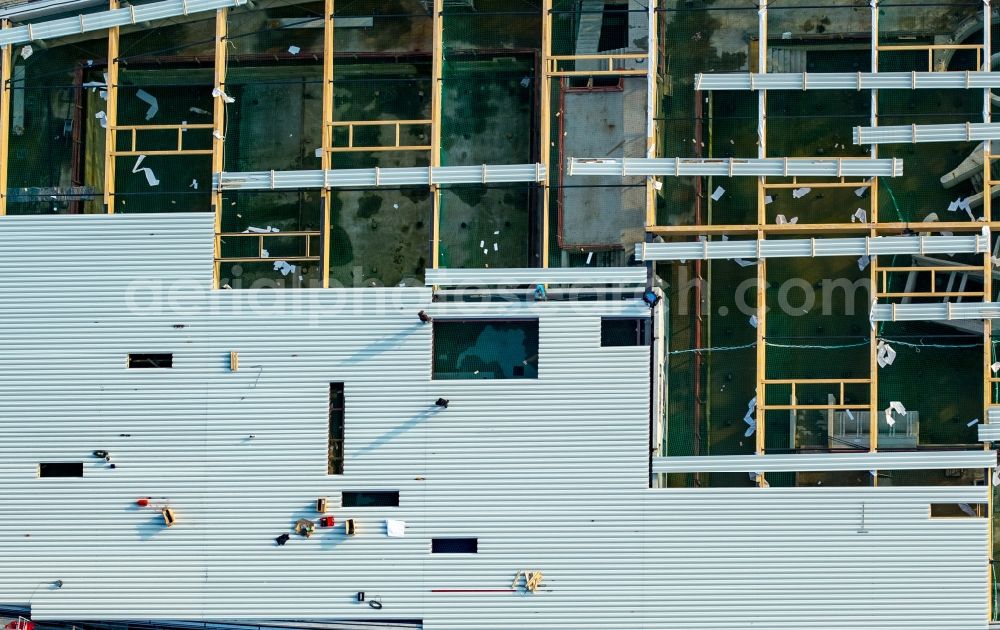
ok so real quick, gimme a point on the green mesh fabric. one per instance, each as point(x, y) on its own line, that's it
point(487, 226)
point(56, 152)
point(379, 237)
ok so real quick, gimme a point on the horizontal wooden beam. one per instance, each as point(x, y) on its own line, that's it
point(596, 73)
point(827, 228)
point(138, 152)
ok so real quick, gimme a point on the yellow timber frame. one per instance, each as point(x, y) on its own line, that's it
point(330, 124)
point(5, 72)
point(877, 273)
point(326, 135)
point(612, 63)
point(134, 130)
point(552, 67)
point(111, 116)
point(396, 125)
point(219, 129)
point(437, 71)
point(545, 126)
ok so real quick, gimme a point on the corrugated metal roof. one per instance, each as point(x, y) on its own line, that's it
point(583, 276)
point(28, 9)
point(736, 167)
point(935, 312)
point(811, 247)
point(402, 176)
point(87, 23)
point(550, 474)
point(791, 462)
point(990, 432)
point(847, 80)
point(926, 133)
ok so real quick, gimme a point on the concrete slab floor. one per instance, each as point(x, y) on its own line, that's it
point(597, 124)
point(277, 126)
point(485, 227)
point(380, 237)
point(487, 111)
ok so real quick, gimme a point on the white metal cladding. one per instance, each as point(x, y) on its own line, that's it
point(990, 432)
point(927, 133)
point(86, 23)
point(847, 81)
point(936, 311)
point(575, 276)
point(807, 247)
point(922, 460)
point(993, 414)
point(39, 8)
point(550, 473)
point(406, 176)
point(733, 167)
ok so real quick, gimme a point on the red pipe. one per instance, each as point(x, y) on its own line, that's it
point(472, 590)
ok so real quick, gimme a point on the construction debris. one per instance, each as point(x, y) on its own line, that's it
point(146, 97)
point(148, 172)
point(885, 355)
point(395, 528)
point(218, 93)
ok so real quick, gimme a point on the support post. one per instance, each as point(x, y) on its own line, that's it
point(5, 72)
point(545, 125)
point(873, 263)
point(218, 129)
point(761, 357)
point(111, 117)
point(652, 90)
point(326, 135)
point(437, 66)
point(874, 63)
point(761, 220)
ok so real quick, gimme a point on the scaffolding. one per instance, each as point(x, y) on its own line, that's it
point(874, 235)
point(560, 70)
point(870, 236)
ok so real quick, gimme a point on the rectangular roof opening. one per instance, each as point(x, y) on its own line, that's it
point(485, 348)
point(335, 433)
point(370, 498)
point(958, 510)
point(624, 331)
point(60, 469)
point(150, 360)
point(454, 545)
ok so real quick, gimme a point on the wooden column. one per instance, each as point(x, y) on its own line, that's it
point(545, 126)
point(761, 220)
point(873, 409)
point(111, 116)
point(326, 134)
point(5, 72)
point(652, 100)
point(219, 128)
point(437, 65)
